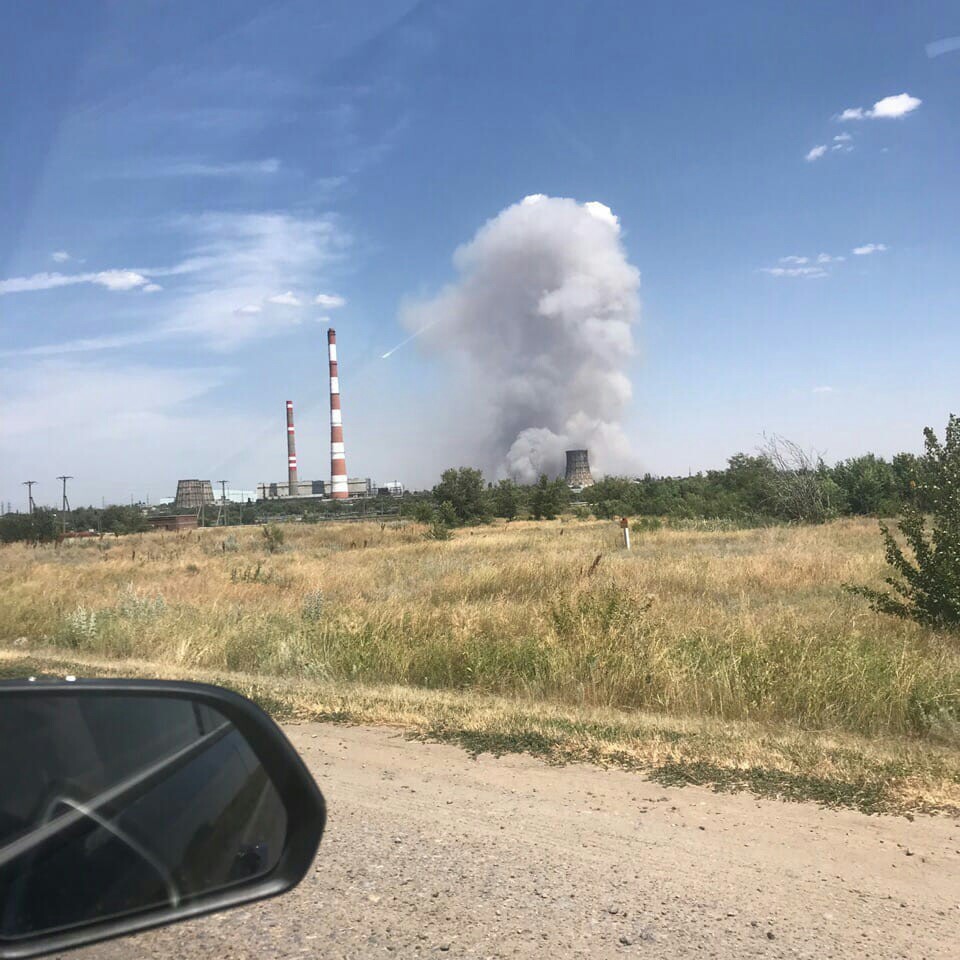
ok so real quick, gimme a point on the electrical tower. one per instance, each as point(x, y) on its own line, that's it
point(30, 504)
point(222, 512)
point(65, 508)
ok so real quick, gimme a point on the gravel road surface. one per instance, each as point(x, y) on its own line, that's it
point(429, 853)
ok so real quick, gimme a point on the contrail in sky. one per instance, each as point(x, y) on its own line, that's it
point(413, 336)
point(947, 45)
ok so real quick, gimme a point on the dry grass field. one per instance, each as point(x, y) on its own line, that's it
point(730, 657)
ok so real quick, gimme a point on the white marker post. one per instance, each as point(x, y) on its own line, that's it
point(625, 526)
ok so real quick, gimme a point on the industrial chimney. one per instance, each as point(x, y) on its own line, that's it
point(578, 469)
point(291, 454)
point(338, 463)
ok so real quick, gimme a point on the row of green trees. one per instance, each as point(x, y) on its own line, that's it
point(780, 484)
point(45, 524)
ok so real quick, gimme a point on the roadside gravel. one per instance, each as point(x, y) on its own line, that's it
point(430, 853)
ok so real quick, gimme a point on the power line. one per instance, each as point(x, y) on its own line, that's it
point(31, 506)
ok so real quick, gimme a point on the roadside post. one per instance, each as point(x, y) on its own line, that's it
point(625, 526)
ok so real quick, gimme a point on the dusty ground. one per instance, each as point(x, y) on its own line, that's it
point(430, 852)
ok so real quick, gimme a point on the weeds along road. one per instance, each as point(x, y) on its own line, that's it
point(431, 853)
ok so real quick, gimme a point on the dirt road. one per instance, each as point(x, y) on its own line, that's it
point(431, 853)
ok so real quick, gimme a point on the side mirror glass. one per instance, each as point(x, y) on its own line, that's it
point(129, 804)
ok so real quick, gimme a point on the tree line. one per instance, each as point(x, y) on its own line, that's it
point(779, 484)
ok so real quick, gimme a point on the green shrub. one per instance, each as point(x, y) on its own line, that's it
point(135, 606)
point(927, 585)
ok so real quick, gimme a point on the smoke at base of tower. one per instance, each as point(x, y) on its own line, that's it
point(542, 315)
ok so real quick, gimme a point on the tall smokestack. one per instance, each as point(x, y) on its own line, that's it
point(338, 463)
point(291, 453)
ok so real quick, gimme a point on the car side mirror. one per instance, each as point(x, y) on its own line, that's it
point(129, 804)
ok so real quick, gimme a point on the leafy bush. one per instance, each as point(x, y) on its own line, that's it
point(423, 512)
point(438, 531)
point(135, 606)
point(81, 627)
point(927, 586)
point(272, 537)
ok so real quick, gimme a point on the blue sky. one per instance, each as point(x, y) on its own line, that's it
point(182, 181)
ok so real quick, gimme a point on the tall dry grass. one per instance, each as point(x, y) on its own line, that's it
point(738, 625)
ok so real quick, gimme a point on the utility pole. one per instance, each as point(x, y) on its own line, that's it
point(30, 504)
point(66, 503)
point(222, 515)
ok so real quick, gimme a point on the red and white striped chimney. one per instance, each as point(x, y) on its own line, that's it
point(291, 453)
point(338, 463)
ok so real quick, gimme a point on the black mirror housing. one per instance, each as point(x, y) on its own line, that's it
point(131, 804)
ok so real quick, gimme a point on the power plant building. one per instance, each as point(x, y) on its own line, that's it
point(301, 488)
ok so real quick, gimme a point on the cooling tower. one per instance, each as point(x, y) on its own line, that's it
point(578, 469)
point(192, 494)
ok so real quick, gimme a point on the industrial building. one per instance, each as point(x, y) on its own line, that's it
point(299, 488)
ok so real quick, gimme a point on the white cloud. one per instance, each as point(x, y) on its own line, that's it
point(201, 168)
point(60, 256)
point(152, 288)
point(815, 153)
point(897, 106)
point(110, 279)
point(869, 248)
point(892, 107)
point(827, 258)
point(807, 272)
point(329, 300)
point(120, 279)
point(246, 258)
point(822, 390)
point(842, 138)
point(288, 299)
point(235, 258)
point(793, 259)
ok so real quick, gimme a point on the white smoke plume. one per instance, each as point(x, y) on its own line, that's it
point(542, 316)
